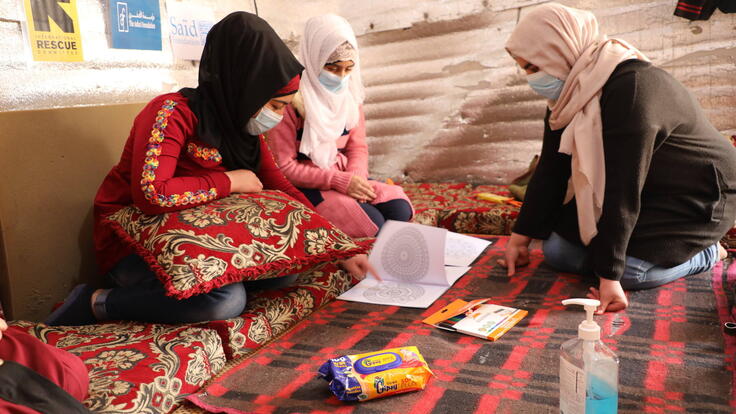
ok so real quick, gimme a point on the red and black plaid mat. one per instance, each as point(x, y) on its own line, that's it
point(669, 342)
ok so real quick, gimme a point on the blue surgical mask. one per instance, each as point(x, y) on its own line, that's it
point(265, 120)
point(545, 85)
point(332, 82)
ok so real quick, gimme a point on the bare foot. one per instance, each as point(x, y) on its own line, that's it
point(722, 253)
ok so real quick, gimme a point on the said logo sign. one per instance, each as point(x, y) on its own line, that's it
point(188, 28)
point(135, 24)
point(53, 30)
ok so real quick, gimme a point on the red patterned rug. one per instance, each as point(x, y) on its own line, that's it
point(669, 341)
point(724, 285)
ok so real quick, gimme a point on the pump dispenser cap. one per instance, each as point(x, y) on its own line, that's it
point(587, 330)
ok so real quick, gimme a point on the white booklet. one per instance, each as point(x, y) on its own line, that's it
point(462, 250)
point(411, 260)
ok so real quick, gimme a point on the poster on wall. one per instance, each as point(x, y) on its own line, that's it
point(188, 28)
point(53, 30)
point(135, 24)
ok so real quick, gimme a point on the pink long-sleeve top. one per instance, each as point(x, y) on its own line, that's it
point(352, 155)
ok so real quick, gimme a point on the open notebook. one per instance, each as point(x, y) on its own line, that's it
point(416, 263)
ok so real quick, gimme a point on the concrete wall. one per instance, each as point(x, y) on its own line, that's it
point(52, 162)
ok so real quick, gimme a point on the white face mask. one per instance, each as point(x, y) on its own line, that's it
point(265, 120)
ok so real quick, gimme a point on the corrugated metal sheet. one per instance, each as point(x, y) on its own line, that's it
point(382, 15)
point(445, 102)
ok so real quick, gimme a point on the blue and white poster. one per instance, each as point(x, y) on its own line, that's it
point(188, 28)
point(135, 24)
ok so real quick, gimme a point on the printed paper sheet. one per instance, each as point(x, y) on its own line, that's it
point(411, 261)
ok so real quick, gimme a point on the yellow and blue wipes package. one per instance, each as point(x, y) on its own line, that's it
point(378, 374)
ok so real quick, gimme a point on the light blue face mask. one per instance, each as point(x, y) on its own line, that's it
point(545, 85)
point(265, 120)
point(332, 82)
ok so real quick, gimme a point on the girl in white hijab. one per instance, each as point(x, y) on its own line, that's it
point(647, 171)
point(320, 145)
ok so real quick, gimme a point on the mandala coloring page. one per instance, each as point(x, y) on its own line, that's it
point(405, 255)
point(410, 261)
point(394, 292)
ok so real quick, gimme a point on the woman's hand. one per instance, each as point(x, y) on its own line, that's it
point(611, 294)
point(3, 327)
point(243, 181)
point(359, 266)
point(517, 253)
point(360, 189)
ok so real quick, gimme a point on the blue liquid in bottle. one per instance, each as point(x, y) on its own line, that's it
point(600, 398)
point(587, 355)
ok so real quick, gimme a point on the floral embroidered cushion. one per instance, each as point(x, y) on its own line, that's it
point(239, 237)
point(271, 312)
point(137, 368)
point(456, 207)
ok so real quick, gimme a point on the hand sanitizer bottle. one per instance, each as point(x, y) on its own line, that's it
point(588, 368)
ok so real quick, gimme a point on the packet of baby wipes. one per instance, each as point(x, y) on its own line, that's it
point(378, 374)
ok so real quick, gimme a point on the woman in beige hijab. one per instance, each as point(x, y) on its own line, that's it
point(634, 185)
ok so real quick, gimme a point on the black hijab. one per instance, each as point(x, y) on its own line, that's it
point(244, 63)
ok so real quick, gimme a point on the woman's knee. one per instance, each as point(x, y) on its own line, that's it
point(132, 270)
point(565, 256)
point(398, 209)
point(222, 303)
point(554, 252)
point(374, 214)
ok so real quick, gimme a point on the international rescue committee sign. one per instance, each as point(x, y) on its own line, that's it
point(53, 30)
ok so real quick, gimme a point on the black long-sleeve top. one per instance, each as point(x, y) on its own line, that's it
point(670, 187)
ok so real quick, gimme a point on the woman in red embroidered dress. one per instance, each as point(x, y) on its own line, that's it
point(189, 148)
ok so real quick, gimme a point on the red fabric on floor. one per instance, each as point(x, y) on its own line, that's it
point(59, 366)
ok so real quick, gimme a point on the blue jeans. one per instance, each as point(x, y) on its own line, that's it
point(140, 296)
point(639, 274)
point(398, 210)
